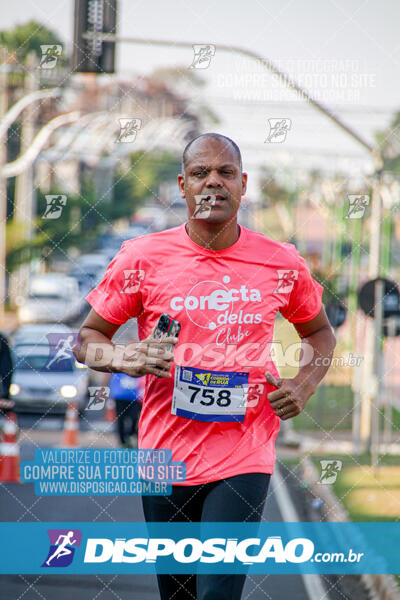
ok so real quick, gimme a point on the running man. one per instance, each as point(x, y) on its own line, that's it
point(52, 53)
point(55, 205)
point(218, 279)
point(62, 549)
point(64, 350)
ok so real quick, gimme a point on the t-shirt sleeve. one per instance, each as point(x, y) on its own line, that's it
point(118, 297)
point(305, 299)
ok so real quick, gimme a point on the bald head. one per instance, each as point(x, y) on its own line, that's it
point(225, 141)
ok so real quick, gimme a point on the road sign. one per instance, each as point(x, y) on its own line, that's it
point(336, 312)
point(391, 298)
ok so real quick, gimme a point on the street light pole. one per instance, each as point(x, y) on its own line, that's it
point(24, 184)
point(110, 37)
point(3, 181)
point(372, 384)
point(7, 118)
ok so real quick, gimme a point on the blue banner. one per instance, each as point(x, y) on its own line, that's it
point(291, 548)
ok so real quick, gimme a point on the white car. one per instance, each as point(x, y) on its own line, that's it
point(46, 380)
point(92, 261)
point(36, 333)
point(52, 296)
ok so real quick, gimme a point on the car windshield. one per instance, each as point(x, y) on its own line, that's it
point(38, 362)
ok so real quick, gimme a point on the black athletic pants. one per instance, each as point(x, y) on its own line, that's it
point(236, 499)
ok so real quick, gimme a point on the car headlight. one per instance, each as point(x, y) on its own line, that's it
point(68, 391)
point(14, 389)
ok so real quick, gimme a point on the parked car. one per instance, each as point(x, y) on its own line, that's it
point(136, 230)
point(44, 381)
point(85, 278)
point(51, 296)
point(91, 262)
point(36, 333)
point(88, 271)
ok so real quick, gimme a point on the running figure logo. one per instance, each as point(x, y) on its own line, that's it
point(133, 278)
point(61, 345)
point(204, 202)
point(357, 206)
point(98, 397)
point(203, 54)
point(330, 469)
point(62, 547)
point(278, 129)
point(54, 207)
point(253, 395)
point(50, 54)
point(128, 129)
point(286, 279)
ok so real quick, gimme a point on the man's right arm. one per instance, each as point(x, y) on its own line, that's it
point(97, 333)
point(95, 349)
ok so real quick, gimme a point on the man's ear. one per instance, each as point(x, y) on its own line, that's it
point(181, 185)
point(244, 183)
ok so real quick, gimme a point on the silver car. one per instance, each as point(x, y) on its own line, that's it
point(36, 333)
point(47, 378)
point(51, 295)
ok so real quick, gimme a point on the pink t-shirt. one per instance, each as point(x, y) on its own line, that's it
point(226, 301)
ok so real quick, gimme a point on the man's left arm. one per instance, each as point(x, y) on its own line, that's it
point(292, 395)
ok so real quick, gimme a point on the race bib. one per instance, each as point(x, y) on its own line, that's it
point(210, 395)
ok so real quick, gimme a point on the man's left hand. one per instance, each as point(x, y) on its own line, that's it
point(289, 399)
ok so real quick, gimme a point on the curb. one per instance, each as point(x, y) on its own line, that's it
point(380, 587)
point(310, 444)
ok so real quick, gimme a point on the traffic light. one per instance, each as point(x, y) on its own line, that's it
point(91, 16)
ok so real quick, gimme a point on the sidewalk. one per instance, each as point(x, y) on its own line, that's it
point(333, 442)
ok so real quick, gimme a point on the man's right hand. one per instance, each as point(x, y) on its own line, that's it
point(149, 356)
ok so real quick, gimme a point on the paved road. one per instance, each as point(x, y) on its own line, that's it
point(19, 503)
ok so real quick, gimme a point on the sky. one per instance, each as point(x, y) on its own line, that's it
point(345, 52)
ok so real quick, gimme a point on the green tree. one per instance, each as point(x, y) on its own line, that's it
point(84, 216)
point(389, 145)
point(22, 39)
point(272, 191)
